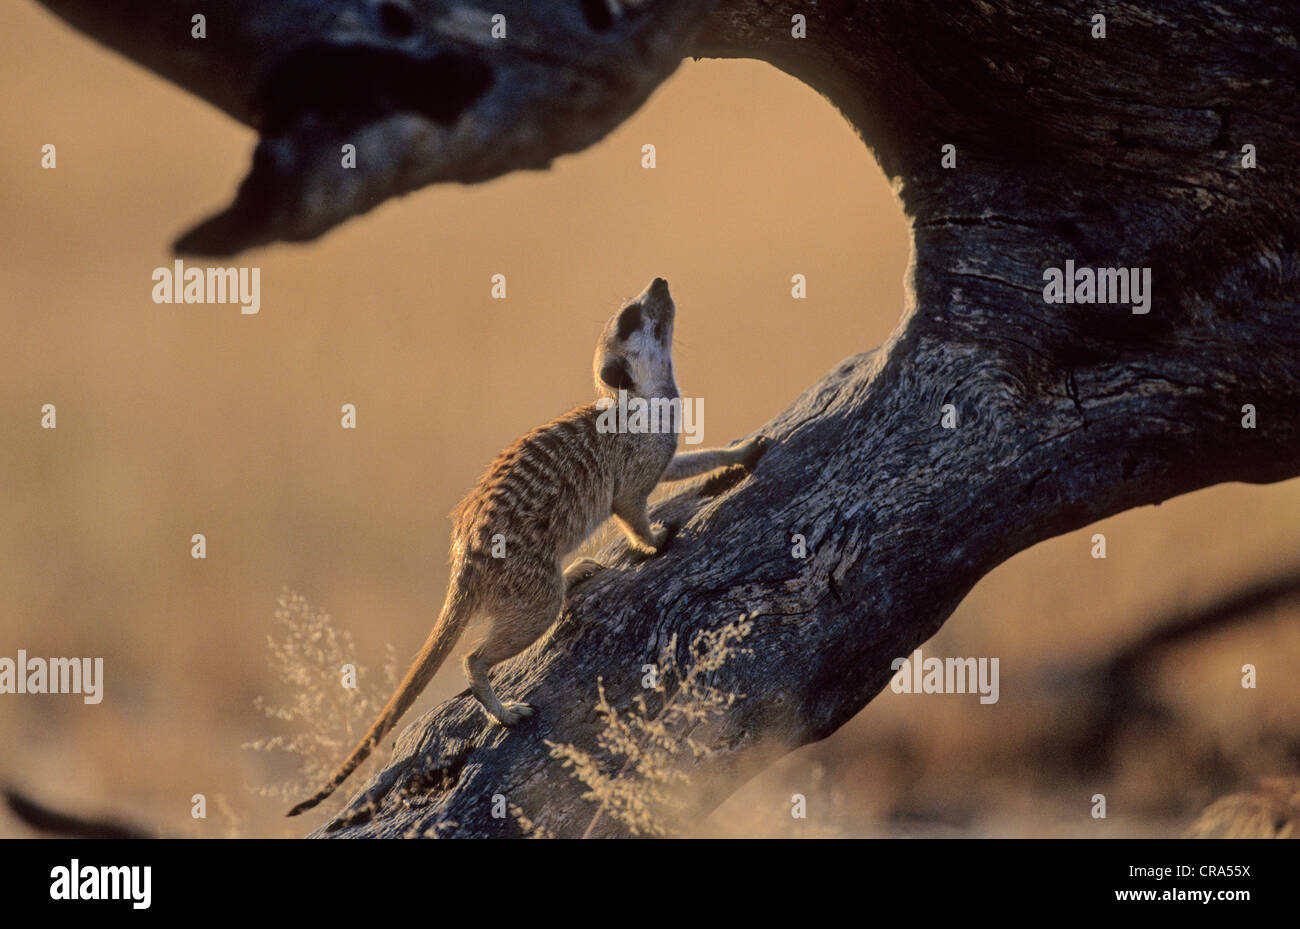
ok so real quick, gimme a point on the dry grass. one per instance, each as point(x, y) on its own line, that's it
point(325, 719)
point(1270, 812)
point(653, 744)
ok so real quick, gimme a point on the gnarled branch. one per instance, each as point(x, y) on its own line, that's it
point(1116, 152)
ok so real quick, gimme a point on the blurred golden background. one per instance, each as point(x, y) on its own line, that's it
point(181, 419)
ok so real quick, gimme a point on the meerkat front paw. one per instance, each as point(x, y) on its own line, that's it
point(656, 541)
point(663, 534)
point(512, 713)
point(752, 450)
point(659, 537)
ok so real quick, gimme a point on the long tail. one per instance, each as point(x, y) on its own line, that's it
point(451, 623)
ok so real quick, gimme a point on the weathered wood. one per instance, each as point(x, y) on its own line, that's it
point(1123, 152)
point(1117, 152)
point(426, 91)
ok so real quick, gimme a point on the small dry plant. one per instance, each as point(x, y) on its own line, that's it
point(1271, 811)
point(653, 744)
point(310, 656)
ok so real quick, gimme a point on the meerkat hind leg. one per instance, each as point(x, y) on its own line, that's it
point(633, 517)
point(513, 628)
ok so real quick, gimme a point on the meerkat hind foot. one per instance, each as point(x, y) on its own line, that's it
point(580, 572)
point(511, 713)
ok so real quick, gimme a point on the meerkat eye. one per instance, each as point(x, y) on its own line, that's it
point(659, 330)
point(598, 14)
point(629, 322)
point(616, 375)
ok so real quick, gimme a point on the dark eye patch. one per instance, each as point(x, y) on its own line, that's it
point(629, 322)
point(597, 14)
point(616, 375)
point(659, 330)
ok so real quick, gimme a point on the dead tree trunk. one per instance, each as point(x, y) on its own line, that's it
point(1127, 151)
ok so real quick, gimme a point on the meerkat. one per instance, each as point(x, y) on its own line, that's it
point(541, 498)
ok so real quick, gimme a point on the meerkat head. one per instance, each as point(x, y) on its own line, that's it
point(634, 352)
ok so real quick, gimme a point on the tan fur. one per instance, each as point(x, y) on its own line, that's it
point(542, 497)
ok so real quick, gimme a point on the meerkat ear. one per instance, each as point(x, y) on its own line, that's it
point(615, 374)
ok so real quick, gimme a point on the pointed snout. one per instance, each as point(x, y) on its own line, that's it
point(656, 299)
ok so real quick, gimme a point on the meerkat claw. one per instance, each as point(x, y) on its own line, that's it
point(661, 536)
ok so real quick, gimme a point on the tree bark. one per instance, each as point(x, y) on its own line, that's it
point(1116, 152)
